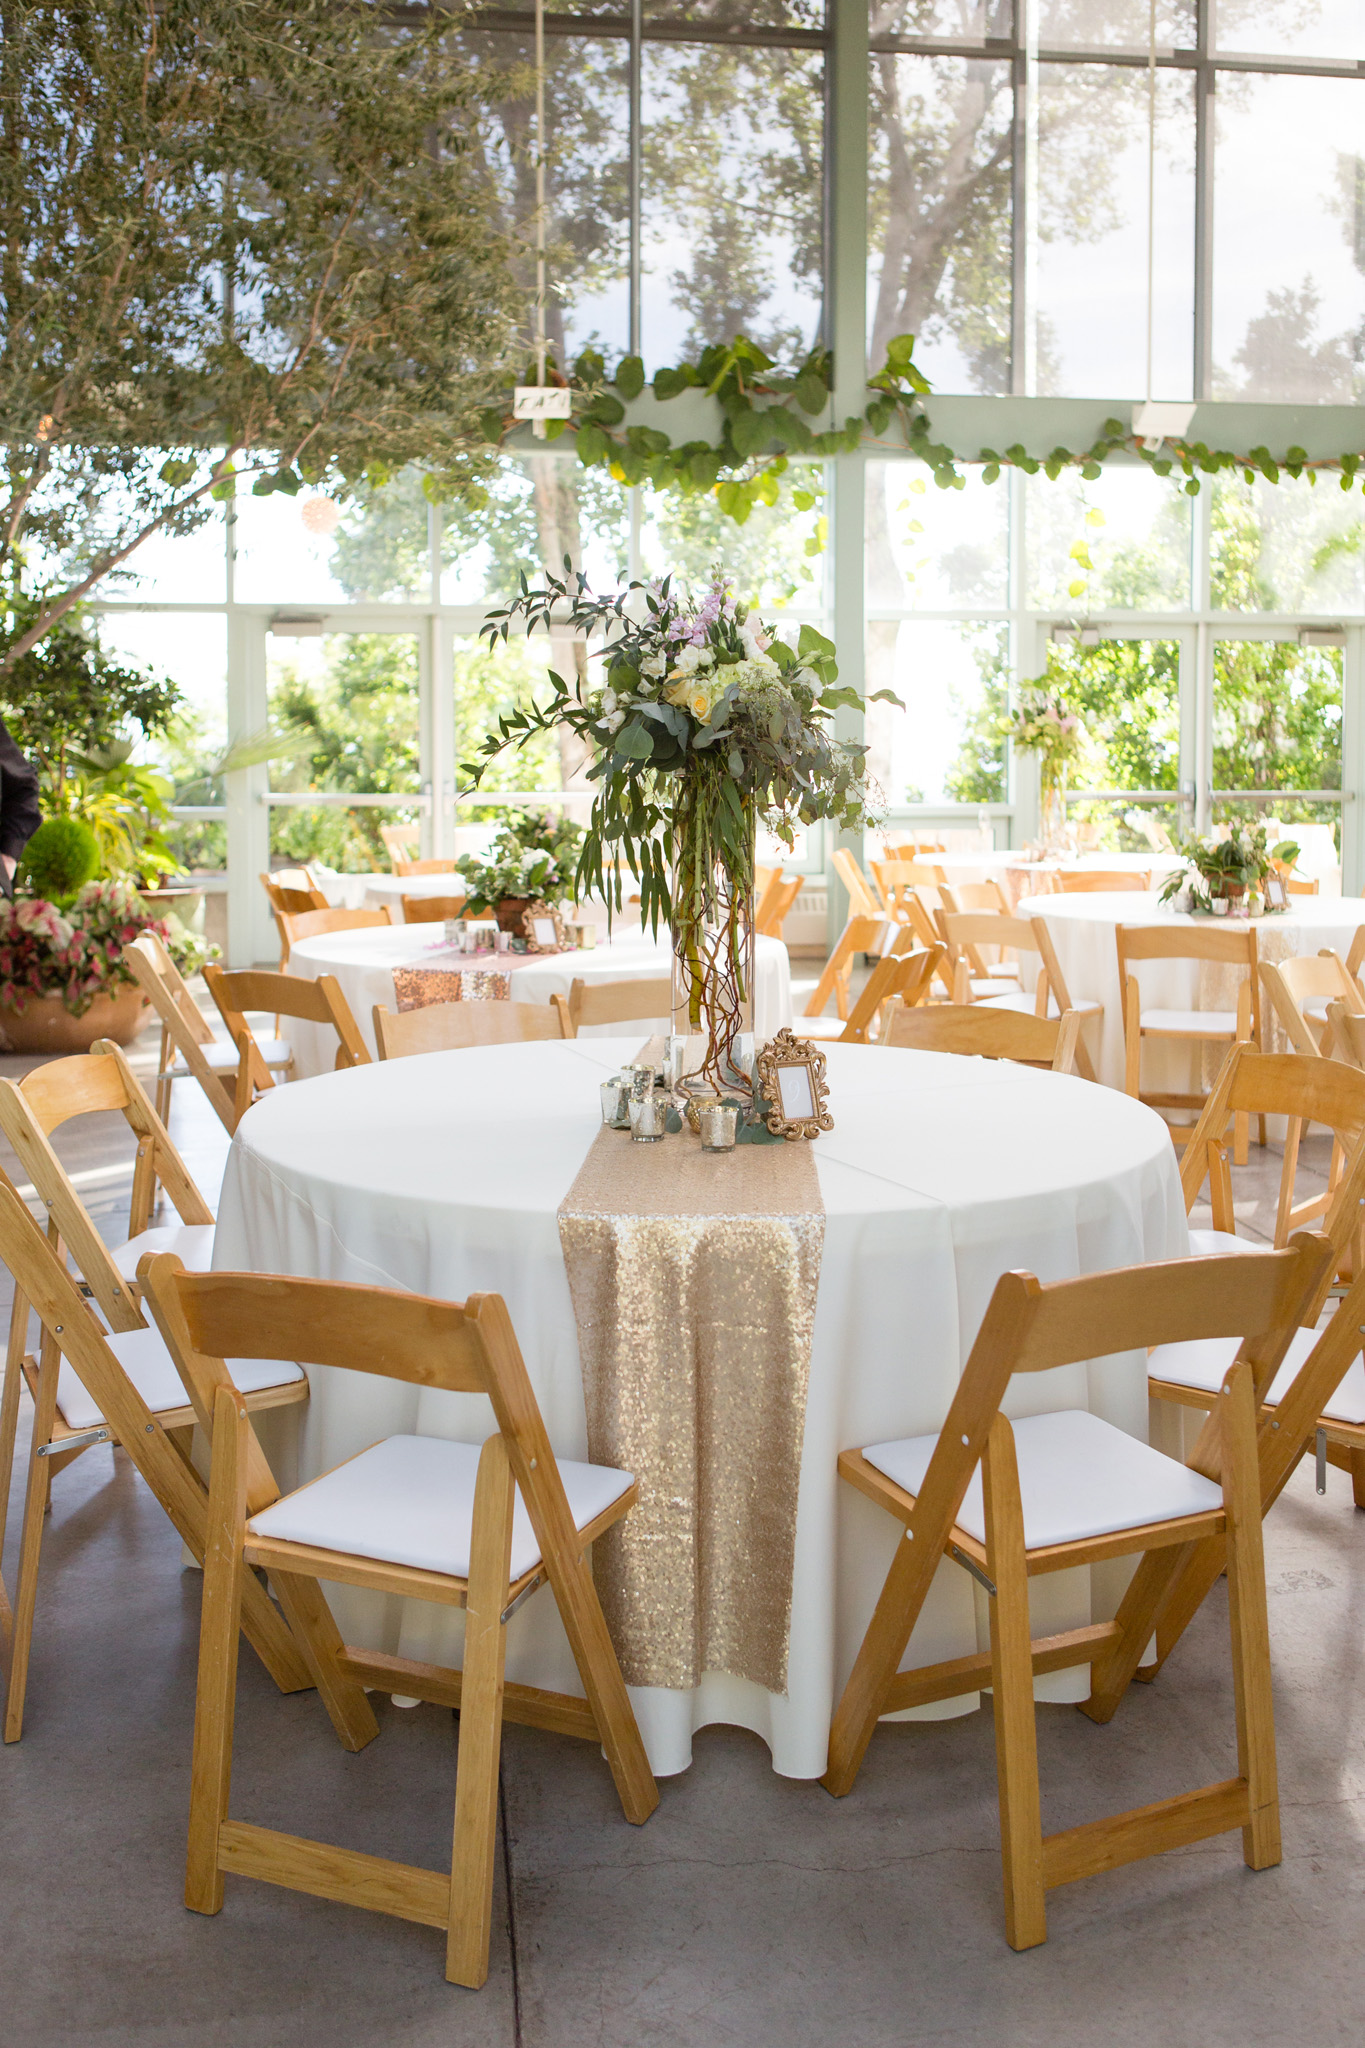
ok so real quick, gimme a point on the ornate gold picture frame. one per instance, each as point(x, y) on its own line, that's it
point(543, 928)
point(790, 1072)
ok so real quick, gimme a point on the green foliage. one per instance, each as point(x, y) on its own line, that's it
point(61, 857)
point(63, 698)
point(361, 714)
point(325, 168)
point(535, 854)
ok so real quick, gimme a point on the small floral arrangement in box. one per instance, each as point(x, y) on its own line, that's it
point(1228, 868)
point(76, 952)
point(531, 857)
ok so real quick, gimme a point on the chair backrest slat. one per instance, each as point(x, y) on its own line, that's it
point(450, 1027)
point(1101, 881)
point(432, 909)
point(424, 867)
point(980, 1031)
point(619, 1002)
point(292, 899)
point(314, 924)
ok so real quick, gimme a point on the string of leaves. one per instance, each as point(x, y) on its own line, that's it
point(770, 417)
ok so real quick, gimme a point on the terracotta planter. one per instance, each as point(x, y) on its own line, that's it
point(46, 1025)
point(509, 911)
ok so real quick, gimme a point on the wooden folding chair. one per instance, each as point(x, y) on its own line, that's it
point(1193, 1027)
point(118, 1387)
point(912, 849)
point(312, 924)
point(1347, 1027)
point(1302, 989)
point(1304, 1089)
point(863, 900)
point(900, 977)
point(1058, 1490)
point(464, 1526)
point(1315, 1397)
point(448, 1027)
point(287, 995)
point(1101, 881)
point(775, 903)
point(295, 896)
point(431, 909)
point(1298, 1086)
point(975, 896)
point(982, 1031)
point(1297, 885)
point(860, 935)
point(188, 1044)
point(424, 867)
point(897, 883)
point(612, 1002)
point(400, 842)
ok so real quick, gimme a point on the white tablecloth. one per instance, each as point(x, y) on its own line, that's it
point(444, 1174)
point(363, 962)
point(1083, 932)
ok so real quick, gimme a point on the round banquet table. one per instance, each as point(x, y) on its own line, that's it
point(1083, 931)
point(443, 1174)
point(363, 963)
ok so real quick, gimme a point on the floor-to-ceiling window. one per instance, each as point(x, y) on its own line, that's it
point(1002, 165)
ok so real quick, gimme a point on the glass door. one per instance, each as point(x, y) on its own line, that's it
point(1276, 743)
point(1124, 793)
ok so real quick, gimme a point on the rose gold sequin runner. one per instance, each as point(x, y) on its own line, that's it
point(694, 1277)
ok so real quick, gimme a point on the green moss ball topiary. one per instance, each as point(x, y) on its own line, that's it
point(61, 857)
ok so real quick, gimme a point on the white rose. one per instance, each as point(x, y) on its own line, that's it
point(608, 700)
point(614, 721)
point(653, 665)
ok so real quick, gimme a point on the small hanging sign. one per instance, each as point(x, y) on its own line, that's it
point(542, 402)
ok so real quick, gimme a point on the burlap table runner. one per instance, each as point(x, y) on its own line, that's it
point(693, 1277)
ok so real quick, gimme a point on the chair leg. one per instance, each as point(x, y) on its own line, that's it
point(219, 1627)
point(1249, 1622)
point(476, 1774)
point(31, 1541)
point(1358, 1478)
point(1016, 1735)
point(310, 1621)
point(9, 1402)
point(586, 1627)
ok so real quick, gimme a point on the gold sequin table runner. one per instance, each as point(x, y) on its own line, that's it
point(693, 1277)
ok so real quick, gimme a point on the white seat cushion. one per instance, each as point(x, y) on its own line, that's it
point(820, 1027)
point(150, 1367)
point(989, 987)
point(1215, 1244)
point(1192, 1023)
point(192, 1244)
point(410, 1500)
point(1078, 1477)
point(1316, 1006)
point(1028, 1004)
point(224, 1059)
point(1203, 1364)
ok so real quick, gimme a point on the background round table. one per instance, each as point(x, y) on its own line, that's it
point(1084, 931)
point(363, 963)
point(443, 1174)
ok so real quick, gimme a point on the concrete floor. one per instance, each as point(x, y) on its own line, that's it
point(750, 1910)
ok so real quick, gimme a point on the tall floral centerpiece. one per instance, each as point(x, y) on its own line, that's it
point(1041, 724)
point(700, 723)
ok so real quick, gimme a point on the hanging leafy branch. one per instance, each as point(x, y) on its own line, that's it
point(770, 416)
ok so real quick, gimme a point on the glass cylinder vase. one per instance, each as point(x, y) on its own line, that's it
point(713, 958)
point(1052, 815)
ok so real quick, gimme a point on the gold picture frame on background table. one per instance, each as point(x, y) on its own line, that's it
point(543, 929)
point(790, 1072)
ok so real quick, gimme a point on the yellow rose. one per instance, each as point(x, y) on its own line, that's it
point(700, 705)
point(680, 693)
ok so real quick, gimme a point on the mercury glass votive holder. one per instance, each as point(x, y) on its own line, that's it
point(718, 1123)
point(639, 1079)
point(454, 932)
point(615, 1104)
point(648, 1118)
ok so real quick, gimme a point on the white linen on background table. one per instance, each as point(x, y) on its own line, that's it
point(363, 963)
point(444, 1173)
point(1084, 932)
